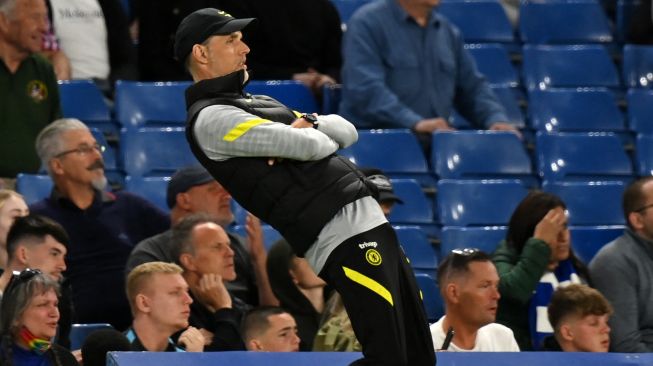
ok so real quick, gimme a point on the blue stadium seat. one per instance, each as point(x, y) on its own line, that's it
point(478, 202)
point(509, 98)
point(153, 189)
point(431, 297)
point(155, 151)
point(270, 235)
point(644, 155)
point(485, 238)
point(493, 61)
point(109, 154)
point(551, 66)
point(586, 241)
point(417, 247)
point(625, 9)
point(79, 332)
point(573, 110)
point(347, 8)
point(480, 21)
point(638, 66)
point(479, 155)
point(584, 156)
point(292, 93)
point(563, 22)
point(155, 104)
point(640, 110)
point(396, 152)
point(331, 96)
point(83, 100)
point(33, 187)
point(590, 202)
point(416, 208)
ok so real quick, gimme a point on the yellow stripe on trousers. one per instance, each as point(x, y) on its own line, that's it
point(371, 284)
point(242, 128)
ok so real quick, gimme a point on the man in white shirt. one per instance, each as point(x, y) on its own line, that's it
point(469, 285)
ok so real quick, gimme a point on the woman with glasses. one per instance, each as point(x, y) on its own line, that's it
point(28, 322)
point(533, 260)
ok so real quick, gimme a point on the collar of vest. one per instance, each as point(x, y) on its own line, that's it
point(228, 85)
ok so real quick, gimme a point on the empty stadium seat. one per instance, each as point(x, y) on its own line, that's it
point(553, 110)
point(644, 155)
point(480, 21)
point(638, 66)
point(590, 202)
point(640, 110)
point(416, 209)
point(579, 21)
point(417, 247)
point(153, 189)
point(331, 96)
point(83, 100)
point(396, 152)
point(494, 63)
point(485, 238)
point(586, 241)
point(582, 156)
point(155, 151)
point(347, 8)
point(431, 297)
point(144, 104)
point(292, 93)
point(549, 66)
point(33, 187)
point(509, 98)
point(480, 155)
point(79, 332)
point(478, 202)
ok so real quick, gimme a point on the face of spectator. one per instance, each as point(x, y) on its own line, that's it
point(80, 161)
point(590, 333)
point(303, 275)
point(25, 27)
point(642, 220)
point(47, 256)
point(213, 199)
point(281, 335)
point(387, 206)
point(478, 293)
point(226, 54)
point(42, 315)
point(166, 301)
point(563, 241)
point(12, 208)
point(213, 253)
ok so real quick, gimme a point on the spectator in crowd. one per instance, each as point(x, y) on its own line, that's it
point(94, 35)
point(270, 329)
point(12, 205)
point(160, 303)
point(405, 67)
point(206, 256)
point(28, 86)
point(299, 290)
point(37, 242)
point(622, 270)
point(28, 318)
point(193, 190)
point(469, 285)
point(579, 316)
point(103, 226)
point(387, 197)
point(533, 261)
point(283, 170)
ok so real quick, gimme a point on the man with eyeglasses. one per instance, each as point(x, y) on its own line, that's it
point(103, 226)
point(622, 270)
point(469, 284)
point(38, 243)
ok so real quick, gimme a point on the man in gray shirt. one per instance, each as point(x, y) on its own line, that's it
point(622, 270)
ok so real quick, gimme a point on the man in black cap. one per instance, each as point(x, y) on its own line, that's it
point(387, 197)
point(193, 190)
point(280, 166)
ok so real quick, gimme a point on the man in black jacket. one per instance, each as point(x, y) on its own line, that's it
point(280, 165)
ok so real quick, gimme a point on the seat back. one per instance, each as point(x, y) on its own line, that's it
point(155, 151)
point(153, 189)
point(155, 104)
point(485, 238)
point(416, 208)
point(433, 303)
point(79, 332)
point(418, 248)
point(33, 187)
point(510, 101)
point(638, 66)
point(640, 110)
point(590, 202)
point(586, 241)
point(292, 93)
point(547, 66)
point(493, 61)
point(83, 100)
point(480, 21)
point(582, 156)
point(644, 155)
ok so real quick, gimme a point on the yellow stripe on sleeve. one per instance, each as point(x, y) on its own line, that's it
point(371, 284)
point(242, 128)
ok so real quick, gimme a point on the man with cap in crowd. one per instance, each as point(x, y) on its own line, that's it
point(387, 197)
point(280, 166)
point(193, 190)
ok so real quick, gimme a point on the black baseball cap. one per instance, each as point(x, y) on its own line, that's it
point(199, 25)
point(185, 179)
point(383, 184)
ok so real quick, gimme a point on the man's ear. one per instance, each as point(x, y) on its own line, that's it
point(254, 345)
point(22, 255)
point(636, 221)
point(199, 54)
point(142, 303)
point(451, 292)
point(183, 201)
point(566, 332)
point(187, 262)
point(56, 167)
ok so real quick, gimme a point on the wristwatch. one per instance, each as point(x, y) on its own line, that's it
point(311, 119)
